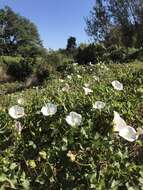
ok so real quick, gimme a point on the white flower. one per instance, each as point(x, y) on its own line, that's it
point(117, 85)
point(86, 85)
point(71, 156)
point(16, 112)
point(96, 78)
point(75, 64)
point(49, 109)
point(140, 131)
point(20, 101)
point(79, 76)
point(102, 66)
point(61, 80)
point(69, 76)
point(18, 126)
point(118, 122)
point(90, 63)
point(125, 131)
point(87, 90)
point(128, 133)
point(99, 105)
point(66, 88)
point(74, 119)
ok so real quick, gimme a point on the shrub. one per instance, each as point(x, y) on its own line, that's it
point(92, 53)
point(116, 54)
point(135, 55)
point(42, 73)
point(19, 71)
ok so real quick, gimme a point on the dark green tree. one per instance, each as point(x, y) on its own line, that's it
point(71, 43)
point(117, 21)
point(98, 21)
point(17, 34)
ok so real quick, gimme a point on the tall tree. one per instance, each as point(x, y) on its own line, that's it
point(121, 19)
point(16, 33)
point(98, 21)
point(71, 43)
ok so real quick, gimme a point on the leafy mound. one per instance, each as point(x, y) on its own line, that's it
point(50, 154)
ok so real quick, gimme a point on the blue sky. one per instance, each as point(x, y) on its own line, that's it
point(56, 19)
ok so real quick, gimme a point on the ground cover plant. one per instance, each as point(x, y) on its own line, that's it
point(59, 136)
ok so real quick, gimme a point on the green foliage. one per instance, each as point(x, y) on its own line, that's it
point(71, 43)
point(37, 158)
point(92, 53)
point(135, 55)
point(59, 61)
point(20, 71)
point(18, 35)
point(117, 55)
point(116, 22)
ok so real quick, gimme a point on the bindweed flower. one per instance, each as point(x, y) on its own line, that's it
point(117, 85)
point(118, 122)
point(87, 90)
point(128, 133)
point(18, 127)
point(66, 88)
point(43, 154)
point(125, 131)
point(71, 156)
point(79, 76)
point(140, 131)
point(49, 109)
point(16, 112)
point(96, 78)
point(69, 76)
point(90, 63)
point(74, 119)
point(99, 105)
point(75, 64)
point(20, 101)
point(31, 163)
point(86, 85)
point(61, 80)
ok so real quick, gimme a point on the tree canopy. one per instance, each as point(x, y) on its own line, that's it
point(18, 35)
point(117, 22)
point(71, 43)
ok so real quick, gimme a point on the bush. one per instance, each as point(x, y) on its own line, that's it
point(42, 73)
point(19, 71)
point(135, 55)
point(92, 53)
point(116, 54)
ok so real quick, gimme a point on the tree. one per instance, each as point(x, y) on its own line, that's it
point(17, 34)
point(120, 20)
point(98, 21)
point(71, 43)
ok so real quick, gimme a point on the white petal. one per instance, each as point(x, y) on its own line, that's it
point(69, 76)
point(117, 85)
point(16, 112)
point(99, 105)
point(96, 78)
point(74, 119)
point(119, 123)
point(18, 126)
point(49, 109)
point(69, 120)
point(79, 76)
point(66, 88)
point(20, 101)
point(86, 85)
point(128, 133)
point(87, 90)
